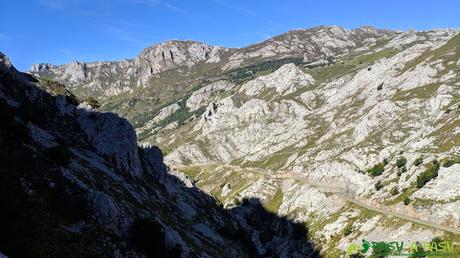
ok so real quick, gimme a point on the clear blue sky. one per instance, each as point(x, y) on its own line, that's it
point(58, 31)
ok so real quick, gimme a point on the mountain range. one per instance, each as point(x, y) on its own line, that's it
point(292, 147)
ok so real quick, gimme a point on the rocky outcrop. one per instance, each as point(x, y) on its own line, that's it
point(113, 138)
point(171, 54)
point(204, 95)
point(285, 80)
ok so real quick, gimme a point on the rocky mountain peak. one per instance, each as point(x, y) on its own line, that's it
point(41, 68)
point(169, 54)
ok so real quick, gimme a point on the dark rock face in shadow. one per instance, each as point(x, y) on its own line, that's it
point(274, 236)
point(74, 183)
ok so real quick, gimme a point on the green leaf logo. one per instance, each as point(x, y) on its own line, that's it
point(352, 249)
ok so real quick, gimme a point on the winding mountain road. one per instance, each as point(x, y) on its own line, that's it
point(341, 192)
point(401, 216)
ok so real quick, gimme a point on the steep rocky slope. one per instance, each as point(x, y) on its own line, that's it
point(75, 183)
point(318, 124)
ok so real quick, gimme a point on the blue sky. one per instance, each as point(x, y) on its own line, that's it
point(58, 31)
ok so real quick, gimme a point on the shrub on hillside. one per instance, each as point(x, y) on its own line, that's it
point(401, 162)
point(347, 230)
point(406, 201)
point(418, 161)
point(377, 169)
point(430, 173)
point(448, 162)
point(394, 190)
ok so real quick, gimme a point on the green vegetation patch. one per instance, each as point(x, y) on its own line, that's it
point(53, 86)
point(274, 204)
point(422, 92)
point(430, 173)
point(245, 74)
point(401, 162)
point(448, 162)
point(418, 161)
point(376, 170)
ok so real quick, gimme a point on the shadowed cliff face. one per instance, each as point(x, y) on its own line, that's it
point(269, 231)
point(75, 183)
